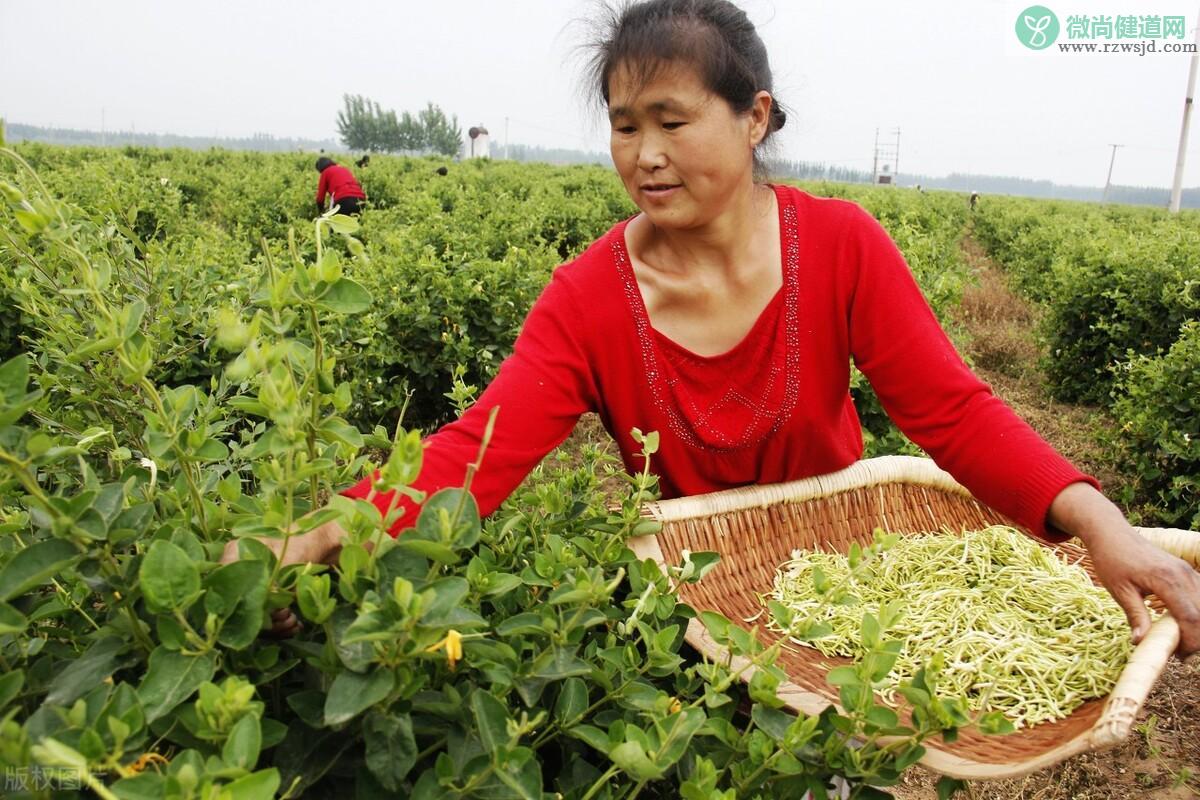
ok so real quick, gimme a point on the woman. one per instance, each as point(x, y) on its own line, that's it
point(725, 314)
point(339, 183)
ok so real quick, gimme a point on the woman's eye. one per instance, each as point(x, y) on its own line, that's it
point(626, 129)
point(672, 125)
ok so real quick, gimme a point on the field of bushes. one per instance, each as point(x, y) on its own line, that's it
point(1120, 288)
point(187, 357)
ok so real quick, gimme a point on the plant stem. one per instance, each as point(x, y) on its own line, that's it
point(600, 782)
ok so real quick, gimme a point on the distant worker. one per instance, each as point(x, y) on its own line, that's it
point(974, 199)
point(362, 162)
point(442, 171)
point(339, 182)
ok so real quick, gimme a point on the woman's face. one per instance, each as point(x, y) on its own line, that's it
point(680, 150)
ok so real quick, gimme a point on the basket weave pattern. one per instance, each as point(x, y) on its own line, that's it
point(755, 529)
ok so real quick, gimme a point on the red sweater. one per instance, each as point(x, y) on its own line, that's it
point(338, 181)
point(774, 408)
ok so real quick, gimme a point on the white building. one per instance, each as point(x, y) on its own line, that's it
point(477, 143)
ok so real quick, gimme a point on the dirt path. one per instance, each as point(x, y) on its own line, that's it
point(1161, 760)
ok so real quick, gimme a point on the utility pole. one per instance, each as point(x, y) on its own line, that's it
point(1108, 182)
point(875, 163)
point(1177, 186)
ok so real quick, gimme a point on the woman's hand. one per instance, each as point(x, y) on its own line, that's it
point(1129, 566)
point(321, 545)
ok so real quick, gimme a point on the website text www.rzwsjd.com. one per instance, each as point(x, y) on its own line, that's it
point(1141, 48)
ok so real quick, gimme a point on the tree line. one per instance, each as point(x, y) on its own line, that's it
point(364, 125)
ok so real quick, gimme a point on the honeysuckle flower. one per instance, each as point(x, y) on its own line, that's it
point(150, 465)
point(452, 645)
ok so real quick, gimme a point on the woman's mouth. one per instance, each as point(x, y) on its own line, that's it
point(659, 190)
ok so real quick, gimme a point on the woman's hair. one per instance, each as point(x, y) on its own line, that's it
point(324, 163)
point(715, 37)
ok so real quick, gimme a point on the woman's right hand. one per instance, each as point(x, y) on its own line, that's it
point(321, 545)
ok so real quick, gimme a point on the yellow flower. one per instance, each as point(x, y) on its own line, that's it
point(676, 706)
point(453, 646)
point(143, 761)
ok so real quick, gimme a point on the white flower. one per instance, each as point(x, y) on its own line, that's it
point(150, 465)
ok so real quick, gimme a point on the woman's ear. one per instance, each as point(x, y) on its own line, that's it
point(760, 117)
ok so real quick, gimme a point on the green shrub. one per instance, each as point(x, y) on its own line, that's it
point(1157, 440)
point(528, 653)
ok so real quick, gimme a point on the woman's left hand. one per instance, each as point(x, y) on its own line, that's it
point(1129, 566)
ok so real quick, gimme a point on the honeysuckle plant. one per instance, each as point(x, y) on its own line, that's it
point(526, 655)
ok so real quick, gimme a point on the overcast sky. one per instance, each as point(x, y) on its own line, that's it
point(949, 73)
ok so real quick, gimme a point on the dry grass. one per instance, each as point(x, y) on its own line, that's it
point(1004, 352)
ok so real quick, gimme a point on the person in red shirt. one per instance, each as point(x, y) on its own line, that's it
point(338, 181)
point(725, 315)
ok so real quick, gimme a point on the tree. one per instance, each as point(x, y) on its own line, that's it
point(364, 125)
point(410, 134)
point(442, 134)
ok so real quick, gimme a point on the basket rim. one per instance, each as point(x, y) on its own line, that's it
point(861, 474)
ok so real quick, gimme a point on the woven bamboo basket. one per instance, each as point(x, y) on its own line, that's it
point(755, 529)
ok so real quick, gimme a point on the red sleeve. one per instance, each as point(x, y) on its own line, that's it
point(934, 398)
point(323, 186)
point(541, 389)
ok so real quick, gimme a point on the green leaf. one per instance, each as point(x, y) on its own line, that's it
point(501, 583)
point(35, 565)
point(256, 786)
point(631, 757)
point(391, 748)
point(147, 786)
point(523, 624)
point(491, 721)
point(85, 673)
point(465, 533)
point(995, 723)
point(211, 450)
point(870, 632)
point(843, 676)
point(338, 430)
point(523, 777)
point(343, 223)
point(703, 562)
point(11, 620)
point(680, 728)
point(345, 296)
point(572, 701)
point(717, 625)
point(244, 742)
point(431, 550)
point(170, 579)
point(883, 717)
point(172, 678)
point(448, 593)
point(10, 686)
point(595, 737)
point(242, 589)
point(947, 787)
point(353, 693)
point(559, 663)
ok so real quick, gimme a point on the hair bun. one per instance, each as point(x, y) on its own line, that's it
point(778, 116)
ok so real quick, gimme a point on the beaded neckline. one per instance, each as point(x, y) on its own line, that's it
point(769, 413)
